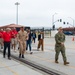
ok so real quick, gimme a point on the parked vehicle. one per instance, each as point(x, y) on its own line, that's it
point(68, 33)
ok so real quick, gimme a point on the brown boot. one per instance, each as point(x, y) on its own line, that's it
point(56, 62)
point(65, 63)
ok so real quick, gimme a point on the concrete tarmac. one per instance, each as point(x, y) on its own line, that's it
point(46, 58)
point(12, 67)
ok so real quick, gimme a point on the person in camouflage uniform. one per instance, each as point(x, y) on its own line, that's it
point(59, 46)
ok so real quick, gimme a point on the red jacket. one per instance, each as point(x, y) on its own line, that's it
point(7, 36)
point(13, 33)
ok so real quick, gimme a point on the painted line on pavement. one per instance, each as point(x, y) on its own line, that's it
point(15, 73)
point(49, 60)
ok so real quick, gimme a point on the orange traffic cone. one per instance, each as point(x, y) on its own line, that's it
point(73, 39)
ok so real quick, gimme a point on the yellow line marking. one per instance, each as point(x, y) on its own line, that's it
point(49, 60)
point(15, 73)
point(73, 67)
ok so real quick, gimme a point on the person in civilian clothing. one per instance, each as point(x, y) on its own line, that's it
point(7, 39)
point(1, 38)
point(34, 36)
point(29, 41)
point(41, 40)
point(14, 40)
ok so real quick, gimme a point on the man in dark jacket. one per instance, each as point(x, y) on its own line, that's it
point(40, 40)
point(29, 41)
point(34, 36)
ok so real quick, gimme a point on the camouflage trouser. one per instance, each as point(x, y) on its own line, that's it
point(59, 49)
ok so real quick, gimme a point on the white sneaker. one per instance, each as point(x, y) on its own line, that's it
point(31, 52)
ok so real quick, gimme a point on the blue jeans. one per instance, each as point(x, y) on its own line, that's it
point(28, 44)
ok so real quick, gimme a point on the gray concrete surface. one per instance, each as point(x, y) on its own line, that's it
point(12, 67)
point(46, 58)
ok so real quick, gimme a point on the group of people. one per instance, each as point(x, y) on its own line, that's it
point(7, 40)
point(25, 39)
point(10, 37)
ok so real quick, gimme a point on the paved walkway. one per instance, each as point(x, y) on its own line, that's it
point(11, 67)
point(46, 58)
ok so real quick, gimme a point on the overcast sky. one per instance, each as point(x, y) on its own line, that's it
point(37, 13)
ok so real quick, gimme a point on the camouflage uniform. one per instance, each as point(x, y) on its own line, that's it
point(59, 38)
point(22, 37)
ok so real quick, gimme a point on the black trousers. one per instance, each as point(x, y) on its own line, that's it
point(6, 45)
point(34, 40)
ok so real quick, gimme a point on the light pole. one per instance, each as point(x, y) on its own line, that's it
point(72, 20)
point(73, 26)
point(17, 12)
point(53, 21)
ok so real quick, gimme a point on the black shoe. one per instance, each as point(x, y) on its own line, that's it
point(42, 50)
point(26, 48)
point(3, 56)
point(9, 58)
point(22, 56)
point(18, 48)
point(19, 55)
point(1, 47)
